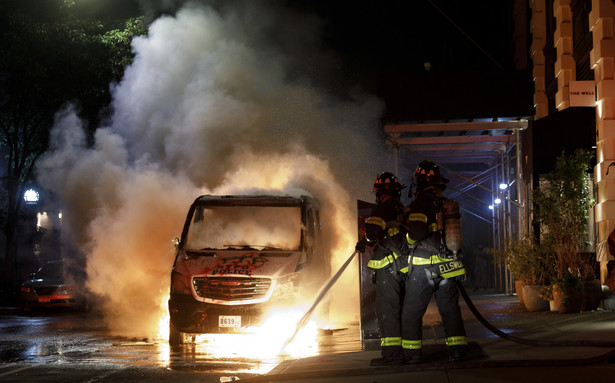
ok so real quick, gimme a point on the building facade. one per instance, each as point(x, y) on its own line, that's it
point(572, 52)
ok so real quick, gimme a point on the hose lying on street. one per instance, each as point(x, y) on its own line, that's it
point(529, 342)
point(308, 314)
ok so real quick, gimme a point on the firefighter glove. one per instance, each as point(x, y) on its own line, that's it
point(360, 246)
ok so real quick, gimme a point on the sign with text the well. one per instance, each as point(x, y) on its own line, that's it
point(582, 93)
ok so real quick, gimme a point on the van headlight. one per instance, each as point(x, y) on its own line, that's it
point(180, 284)
point(286, 286)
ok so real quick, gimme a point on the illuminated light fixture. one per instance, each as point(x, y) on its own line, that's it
point(31, 196)
point(490, 207)
point(497, 201)
point(503, 186)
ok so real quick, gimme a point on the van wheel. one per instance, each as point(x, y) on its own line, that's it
point(176, 337)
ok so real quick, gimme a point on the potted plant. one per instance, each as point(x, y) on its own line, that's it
point(568, 294)
point(529, 262)
point(562, 202)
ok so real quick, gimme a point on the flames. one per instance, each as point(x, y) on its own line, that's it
point(267, 343)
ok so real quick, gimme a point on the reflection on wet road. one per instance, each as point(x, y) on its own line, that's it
point(74, 339)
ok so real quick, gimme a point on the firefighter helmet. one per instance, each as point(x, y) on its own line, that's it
point(428, 174)
point(387, 183)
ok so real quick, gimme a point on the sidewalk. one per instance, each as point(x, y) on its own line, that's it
point(490, 358)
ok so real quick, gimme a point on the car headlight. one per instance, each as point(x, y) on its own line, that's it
point(180, 284)
point(63, 289)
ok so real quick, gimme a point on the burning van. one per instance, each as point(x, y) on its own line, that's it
point(238, 256)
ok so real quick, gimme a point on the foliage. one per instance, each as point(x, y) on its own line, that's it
point(569, 281)
point(119, 41)
point(570, 285)
point(562, 202)
point(546, 292)
point(49, 56)
point(528, 261)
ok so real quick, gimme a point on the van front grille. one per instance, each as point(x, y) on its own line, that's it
point(231, 289)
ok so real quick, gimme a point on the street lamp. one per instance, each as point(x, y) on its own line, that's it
point(31, 196)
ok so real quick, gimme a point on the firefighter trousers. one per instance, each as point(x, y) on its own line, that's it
point(389, 298)
point(420, 287)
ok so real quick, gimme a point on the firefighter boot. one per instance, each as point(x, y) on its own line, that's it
point(413, 356)
point(456, 353)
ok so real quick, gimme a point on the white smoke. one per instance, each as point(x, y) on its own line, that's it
point(209, 106)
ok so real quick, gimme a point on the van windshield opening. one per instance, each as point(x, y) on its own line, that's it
point(225, 227)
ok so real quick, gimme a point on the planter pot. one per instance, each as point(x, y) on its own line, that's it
point(608, 303)
point(532, 301)
point(567, 300)
point(553, 306)
point(592, 291)
point(519, 290)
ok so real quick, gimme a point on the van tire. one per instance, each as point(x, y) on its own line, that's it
point(176, 337)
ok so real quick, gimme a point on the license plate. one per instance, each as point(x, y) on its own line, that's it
point(229, 321)
point(44, 299)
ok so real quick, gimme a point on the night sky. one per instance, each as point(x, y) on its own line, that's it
point(400, 36)
point(469, 47)
point(383, 47)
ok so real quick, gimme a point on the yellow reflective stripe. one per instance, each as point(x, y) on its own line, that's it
point(410, 240)
point(453, 274)
point(391, 341)
point(420, 217)
point(412, 344)
point(429, 261)
point(434, 226)
point(456, 341)
point(392, 231)
point(380, 263)
point(404, 270)
point(377, 221)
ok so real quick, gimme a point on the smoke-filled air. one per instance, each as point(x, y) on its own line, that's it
point(214, 103)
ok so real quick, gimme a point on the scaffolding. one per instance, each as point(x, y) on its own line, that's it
point(484, 160)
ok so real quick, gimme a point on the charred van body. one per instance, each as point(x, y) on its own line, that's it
point(239, 255)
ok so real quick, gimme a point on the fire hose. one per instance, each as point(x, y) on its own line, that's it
point(610, 356)
point(529, 342)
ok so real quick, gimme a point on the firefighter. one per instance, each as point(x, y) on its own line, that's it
point(383, 232)
point(431, 268)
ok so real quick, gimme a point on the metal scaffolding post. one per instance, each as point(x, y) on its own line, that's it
point(521, 219)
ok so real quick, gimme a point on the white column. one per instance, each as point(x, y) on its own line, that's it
point(602, 58)
point(565, 67)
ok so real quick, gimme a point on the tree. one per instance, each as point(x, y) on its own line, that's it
point(563, 200)
point(49, 57)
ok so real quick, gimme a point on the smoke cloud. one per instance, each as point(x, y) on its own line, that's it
point(216, 101)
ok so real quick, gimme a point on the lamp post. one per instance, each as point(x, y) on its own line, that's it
point(60, 235)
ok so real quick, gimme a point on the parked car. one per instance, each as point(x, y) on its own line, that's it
point(53, 286)
point(239, 255)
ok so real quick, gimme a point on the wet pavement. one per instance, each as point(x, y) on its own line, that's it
point(65, 346)
point(491, 358)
